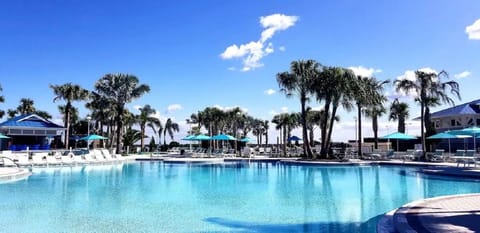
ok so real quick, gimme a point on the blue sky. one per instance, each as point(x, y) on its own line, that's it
point(179, 48)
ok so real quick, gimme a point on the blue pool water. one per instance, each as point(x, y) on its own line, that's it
point(231, 197)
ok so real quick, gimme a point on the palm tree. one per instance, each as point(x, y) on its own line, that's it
point(369, 99)
point(68, 92)
point(120, 89)
point(145, 118)
point(299, 81)
point(427, 86)
point(26, 106)
point(336, 87)
point(2, 100)
point(170, 127)
point(399, 111)
point(313, 119)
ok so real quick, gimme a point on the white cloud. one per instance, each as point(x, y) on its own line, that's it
point(282, 48)
point(473, 30)
point(231, 68)
point(273, 112)
point(252, 52)
point(137, 107)
point(363, 71)
point(174, 107)
point(284, 109)
point(464, 74)
point(269, 92)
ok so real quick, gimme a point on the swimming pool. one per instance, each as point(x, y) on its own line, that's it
point(230, 197)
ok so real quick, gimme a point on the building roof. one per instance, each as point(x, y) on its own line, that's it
point(29, 121)
point(469, 108)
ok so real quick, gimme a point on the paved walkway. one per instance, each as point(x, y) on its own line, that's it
point(458, 213)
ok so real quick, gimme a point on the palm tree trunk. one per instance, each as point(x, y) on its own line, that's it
point(401, 124)
point(422, 126)
point(306, 145)
point(142, 129)
point(330, 130)
point(285, 141)
point(359, 142)
point(119, 128)
point(324, 124)
point(67, 124)
point(375, 130)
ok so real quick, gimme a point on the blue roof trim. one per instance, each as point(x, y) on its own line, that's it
point(29, 121)
point(469, 108)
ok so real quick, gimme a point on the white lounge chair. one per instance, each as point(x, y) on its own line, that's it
point(23, 160)
point(37, 159)
point(7, 161)
point(89, 159)
point(99, 156)
point(67, 160)
point(52, 160)
point(78, 159)
point(109, 157)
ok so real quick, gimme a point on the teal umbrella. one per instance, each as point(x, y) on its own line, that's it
point(246, 140)
point(201, 137)
point(189, 138)
point(224, 137)
point(2, 136)
point(447, 135)
point(473, 131)
point(398, 136)
point(93, 137)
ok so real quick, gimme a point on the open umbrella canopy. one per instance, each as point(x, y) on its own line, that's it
point(201, 137)
point(189, 138)
point(445, 135)
point(224, 137)
point(399, 136)
point(3, 136)
point(467, 131)
point(93, 137)
point(246, 140)
point(294, 138)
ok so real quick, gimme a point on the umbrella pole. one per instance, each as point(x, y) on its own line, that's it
point(449, 150)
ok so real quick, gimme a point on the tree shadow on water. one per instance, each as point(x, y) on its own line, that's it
point(245, 226)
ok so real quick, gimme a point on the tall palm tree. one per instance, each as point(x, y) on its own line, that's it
point(426, 86)
point(313, 119)
point(170, 128)
point(399, 111)
point(145, 117)
point(26, 106)
point(2, 100)
point(120, 89)
point(68, 92)
point(369, 99)
point(299, 81)
point(336, 87)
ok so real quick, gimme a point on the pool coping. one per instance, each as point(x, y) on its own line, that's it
point(400, 217)
point(12, 174)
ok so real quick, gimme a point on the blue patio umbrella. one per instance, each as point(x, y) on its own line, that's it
point(398, 136)
point(447, 135)
point(246, 140)
point(201, 137)
point(224, 137)
point(473, 131)
point(189, 138)
point(93, 137)
point(294, 138)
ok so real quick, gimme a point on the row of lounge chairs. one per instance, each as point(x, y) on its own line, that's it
point(69, 159)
